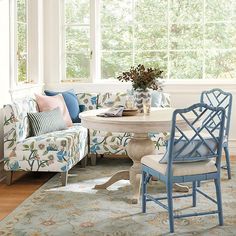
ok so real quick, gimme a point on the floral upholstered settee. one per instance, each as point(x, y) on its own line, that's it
point(56, 151)
point(112, 143)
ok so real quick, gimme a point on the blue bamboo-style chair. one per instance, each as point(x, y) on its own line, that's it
point(190, 157)
point(218, 98)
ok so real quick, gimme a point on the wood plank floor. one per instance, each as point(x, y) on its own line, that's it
point(23, 186)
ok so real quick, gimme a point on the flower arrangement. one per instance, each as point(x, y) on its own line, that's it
point(143, 78)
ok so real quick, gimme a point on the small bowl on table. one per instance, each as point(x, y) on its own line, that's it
point(130, 112)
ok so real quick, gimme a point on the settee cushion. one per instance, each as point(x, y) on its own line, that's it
point(108, 143)
point(102, 142)
point(71, 101)
point(52, 151)
point(46, 121)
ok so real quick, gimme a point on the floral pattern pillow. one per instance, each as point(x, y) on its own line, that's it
point(89, 100)
point(111, 99)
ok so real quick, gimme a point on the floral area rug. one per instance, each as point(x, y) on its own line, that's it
point(78, 209)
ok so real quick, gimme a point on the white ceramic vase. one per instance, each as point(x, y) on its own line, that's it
point(141, 96)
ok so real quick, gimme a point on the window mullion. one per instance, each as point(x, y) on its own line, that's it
point(95, 41)
point(168, 40)
point(25, 75)
point(27, 41)
point(204, 41)
point(63, 42)
point(133, 32)
point(92, 40)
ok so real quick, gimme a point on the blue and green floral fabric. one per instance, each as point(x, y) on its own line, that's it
point(89, 100)
point(106, 100)
point(55, 151)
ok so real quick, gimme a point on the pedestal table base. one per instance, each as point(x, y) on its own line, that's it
point(139, 146)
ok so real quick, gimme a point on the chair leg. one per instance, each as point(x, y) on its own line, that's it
point(194, 193)
point(84, 162)
point(144, 191)
point(199, 183)
point(219, 201)
point(170, 206)
point(64, 177)
point(9, 175)
point(93, 159)
point(227, 157)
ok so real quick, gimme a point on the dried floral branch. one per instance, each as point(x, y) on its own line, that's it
point(142, 78)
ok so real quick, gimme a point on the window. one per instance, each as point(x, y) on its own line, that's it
point(188, 39)
point(133, 32)
point(22, 50)
point(77, 39)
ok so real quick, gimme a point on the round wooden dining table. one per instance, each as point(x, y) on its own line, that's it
point(159, 120)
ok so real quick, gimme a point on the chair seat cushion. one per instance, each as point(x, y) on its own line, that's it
point(179, 169)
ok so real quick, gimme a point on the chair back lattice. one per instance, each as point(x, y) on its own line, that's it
point(194, 137)
point(218, 98)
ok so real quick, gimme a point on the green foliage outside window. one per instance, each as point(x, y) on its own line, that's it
point(21, 41)
point(187, 39)
point(77, 32)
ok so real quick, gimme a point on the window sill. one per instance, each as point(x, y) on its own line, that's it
point(170, 82)
point(25, 86)
point(170, 86)
point(200, 81)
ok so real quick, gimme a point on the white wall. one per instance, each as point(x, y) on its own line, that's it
point(51, 41)
point(4, 52)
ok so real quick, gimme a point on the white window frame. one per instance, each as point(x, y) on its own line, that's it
point(95, 46)
point(94, 59)
point(26, 23)
point(34, 46)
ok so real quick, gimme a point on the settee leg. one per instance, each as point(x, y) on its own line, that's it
point(9, 175)
point(84, 162)
point(93, 159)
point(64, 177)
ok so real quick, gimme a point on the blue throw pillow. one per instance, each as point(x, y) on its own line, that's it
point(187, 154)
point(156, 99)
point(71, 101)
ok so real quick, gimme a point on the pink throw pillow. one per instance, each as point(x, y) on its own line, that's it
point(48, 103)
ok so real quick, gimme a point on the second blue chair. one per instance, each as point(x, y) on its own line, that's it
point(219, 98)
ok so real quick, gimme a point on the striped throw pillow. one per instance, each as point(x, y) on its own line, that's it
point(46, 121)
